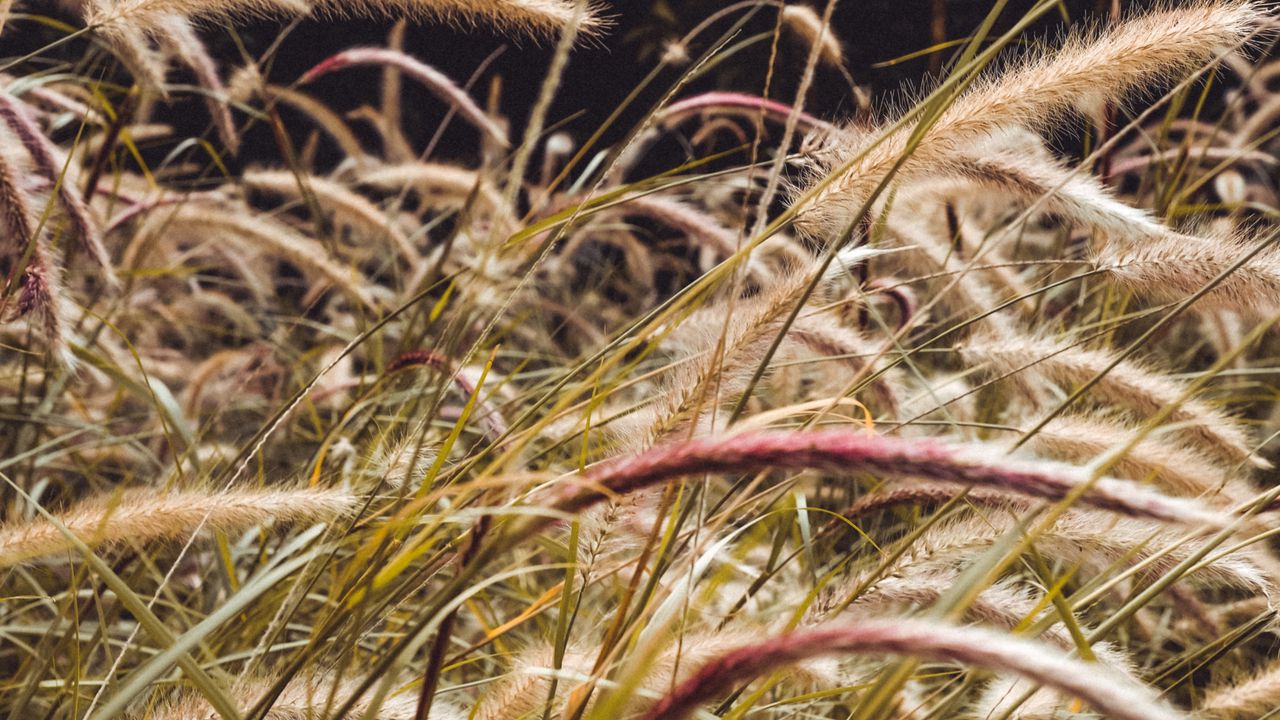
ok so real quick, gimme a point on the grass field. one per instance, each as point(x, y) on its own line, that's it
point(363, 388)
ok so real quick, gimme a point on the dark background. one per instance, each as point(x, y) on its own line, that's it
point(601, 73)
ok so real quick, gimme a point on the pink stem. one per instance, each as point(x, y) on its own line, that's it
point(432, 79)
point(1100, 687)
point(845, 452)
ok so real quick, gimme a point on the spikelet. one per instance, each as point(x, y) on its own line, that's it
point(272, 238)
point(844, 452)
point(304, 698)
point(1096, 543)
point(1172, 268)
point(1165, 464)
point(1085, 74)
point(145, 515)
point(523, 692)
point(43, 154)
point(805, 22)
point(1253, 697)
point(529, 17)
point(1129, 385)
point(349, 208)
point(930, 640)
point(182, 41)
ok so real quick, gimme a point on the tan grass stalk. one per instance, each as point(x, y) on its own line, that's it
point(437, 184)
point(1076, 196)
point(1169, 466)
point(922, 639)
point(1130, 385)
point(349, 208)
point(1086, 74)
point(273, 239)
point(805, 22)
point(141, 516)
point(1252, 697)
point(304, 698)
point(1172, 268)
point(1004, 605)
point(524, 691)
point(1095, 543)
point(44, 154)
point(540, 17)
point(182, 40)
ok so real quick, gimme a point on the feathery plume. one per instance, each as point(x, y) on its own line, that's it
point(1174, 267)
point(805, 22)
point(530, 17)
point(305, 698)
point(1085, 74)
point(1128, 385)
point(44, 155)
point(1169, 466)
point(843, 451)
point(146, 515)
point(935, 641)
point(350, 208)
point(1254, 697)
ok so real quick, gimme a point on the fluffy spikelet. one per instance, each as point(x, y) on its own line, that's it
point(350, 208)
point(1037, 93)
point(274, 239)
point(1168, 466)
point(1111, 695)
point(843, 451)
point(540, 17)
point(1096, 543)
point(1172, 268)
point(523, 692)
point(806, 23)
point(1128, 385)
point(305, 698)
point(44, 155)
point(1254, 697)
point(145, 515)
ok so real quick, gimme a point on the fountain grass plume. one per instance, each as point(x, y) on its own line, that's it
point(929, 640)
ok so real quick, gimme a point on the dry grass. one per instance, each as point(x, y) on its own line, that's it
point(971, 426)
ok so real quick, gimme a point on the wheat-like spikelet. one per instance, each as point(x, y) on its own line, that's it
point(1252, 697)
point(349, 207)
point(181, 39)
point(44, 155)
point(1085, 74)
point(1161, 461)
point(539, 17)
point(305, 698)
point(805, 22)
point(271, 238)
point(144, 515)
point(921, 639)
point(1096, 543)
point(437, 184)
point(1175, 267)
point(845, 451)
point(1028, 170)
point(1129, 385)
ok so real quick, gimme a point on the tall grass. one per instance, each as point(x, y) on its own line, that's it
point(977, 422)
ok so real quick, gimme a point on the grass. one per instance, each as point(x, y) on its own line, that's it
point(959, 408)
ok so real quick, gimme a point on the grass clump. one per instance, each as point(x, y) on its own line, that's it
point(914, 415)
